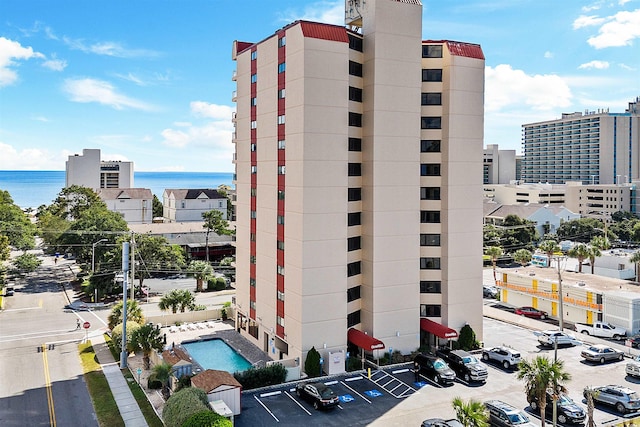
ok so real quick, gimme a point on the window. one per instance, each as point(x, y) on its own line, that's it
point(280, 219)
point(354, 194)
point(429, 240)
point(254, 192)
point(432, 75)
point(253, 146)
point(280, 245)
point(280, 321)
point(430, 146)
point(254, 124)
point(355, 94)
point(429, 217)
point(432, 51)
point(431, 123)
point(281, 93)
point(252, 304)
point(429, 263)
point(282, 67)
point(280, 295)
point(430, 286)
point(355, 42)
point(354, 243)
point(354, 268)
point(252, 282)
point(430, 310)
point(254, 55)
point(281, 144)
point(355, 69)
point(280, 194)
point(254, 101)
point(432, 98)
point(252, 237)
point(253, 215)
point(280, 270)
point(355, 119)
point(355, 169)
point(354, 218)
point(252, 259)
point(254, 169)
point(429, 193)
point(430, 169)
point(183, 205)
point(254, 78)
point(353, 318)
point(355, 144)
point(281, 119)
point(353, 293)
point(282, 41)
point(281, 170)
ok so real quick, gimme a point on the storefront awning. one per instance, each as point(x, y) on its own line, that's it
point(363, 340)
point(437, 329)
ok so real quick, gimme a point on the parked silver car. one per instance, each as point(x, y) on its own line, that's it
point(622, 398)
point(601, 353)
point(551, 337)
point(506, 356)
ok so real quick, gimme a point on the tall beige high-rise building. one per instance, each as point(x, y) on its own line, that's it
point(359, 185)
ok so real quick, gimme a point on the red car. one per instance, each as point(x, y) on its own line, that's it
point(531, 312)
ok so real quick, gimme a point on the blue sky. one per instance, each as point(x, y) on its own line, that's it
point(150, 81)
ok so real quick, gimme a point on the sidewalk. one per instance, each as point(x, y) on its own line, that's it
point(129, 409)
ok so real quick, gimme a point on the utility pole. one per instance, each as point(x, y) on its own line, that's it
point(125, 275)
point(133, 267)
point(560, 295)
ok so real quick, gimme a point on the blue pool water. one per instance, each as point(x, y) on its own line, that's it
point(216, 354)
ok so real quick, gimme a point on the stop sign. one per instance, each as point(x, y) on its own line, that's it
point(86, 325)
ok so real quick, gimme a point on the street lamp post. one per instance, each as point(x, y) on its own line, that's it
point(93, 263)
point(560, 296)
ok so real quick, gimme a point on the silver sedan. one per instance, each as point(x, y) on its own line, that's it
point(601, 353)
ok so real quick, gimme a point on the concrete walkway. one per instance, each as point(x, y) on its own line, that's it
point(129, 409)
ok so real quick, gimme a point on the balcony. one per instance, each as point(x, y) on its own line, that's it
point(234, 76)
point(234, 96)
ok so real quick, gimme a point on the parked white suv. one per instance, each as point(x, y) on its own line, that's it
point(506, 356)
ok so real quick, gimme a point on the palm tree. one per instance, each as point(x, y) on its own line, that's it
point(177, 299)
point(134, 313)
point(590, 407)
point(594, 252)
point(186, 300)
point(201, 270)
point(471, 413)
point(146, 339)
point(494, 252)
point(549, 247)
point(635, 259)
point(539, 375)
point(162, 372)
point(581, 252)
point(522, 257)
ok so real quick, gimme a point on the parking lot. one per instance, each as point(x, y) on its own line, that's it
point(393, 398)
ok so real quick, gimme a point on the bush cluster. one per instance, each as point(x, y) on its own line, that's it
point(154, 383)
point(182, 405)
point(207, 419)
point(261, 377)
point(312, 363)
point(216, 284)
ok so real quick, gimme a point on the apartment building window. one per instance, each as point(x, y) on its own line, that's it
point(254, 55)
point(252, 237)
point(254, 78)
point(281, 144)
point(281, 170)
point(254, 169)
point(254, 124)
point(280, 219)
point(253, 146)
point(254, 192)
point(355, 69)
point(355, 43)
point(354, 169)
point(431, 98)
point(281, 119)
point(252, 282)
point(429, 217)
point(254, 101)
point(355, 144)
point(282, 41)
point(354, 218)
point(280, 295)
point(280, 321)
point(252, 304)
point(430, 169)
point(430, 146)
point(280, 194)
point(252, 259)
point(432, 75)
point(253, 215)
point(430, 286)
point(354, 194)
point(353, 319)
point(429, 193)
point(355, 94)
point(353, 293)
point(354, 268)
point(280, 270)
point(354, 243)
point(183, 205)
point(280, 245)
point(429, 240)
point(355, 119)
point(431, 51)
point(431, 123)
point(282, 67)
point(429, 263)
point(430, 310)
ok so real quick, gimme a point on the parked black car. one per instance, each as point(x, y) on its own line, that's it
point(568, 410)
point(465, 365)
point(434, 368)
point(318, 394)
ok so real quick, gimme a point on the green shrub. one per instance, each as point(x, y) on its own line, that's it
point(116, 333)
point(261, 377)
point(183, 382)
point(183, 404)
point(397, 357)
point(221, 284)
point(207, 419)
point(354, 364)
point(467, 339)
point(312, 363)
point(154, 383)
point(211, 284)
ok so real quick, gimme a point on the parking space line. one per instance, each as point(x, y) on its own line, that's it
point(350, 388)
point(266, 409)
point(385, 375)
point(297, 403)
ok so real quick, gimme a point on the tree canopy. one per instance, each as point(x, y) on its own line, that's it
point(15, 225)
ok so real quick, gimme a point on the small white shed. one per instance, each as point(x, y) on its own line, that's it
point(220, 385)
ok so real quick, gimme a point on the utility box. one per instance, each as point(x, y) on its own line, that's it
point(622, 309)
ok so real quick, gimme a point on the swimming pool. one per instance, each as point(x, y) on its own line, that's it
point(216, 354)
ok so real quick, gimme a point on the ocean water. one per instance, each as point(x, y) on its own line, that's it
point(30, 189)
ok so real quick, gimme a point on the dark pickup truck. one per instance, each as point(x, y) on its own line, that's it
point(465, 365)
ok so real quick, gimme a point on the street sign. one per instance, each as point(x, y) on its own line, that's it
point(86, 325)
point(139, 371)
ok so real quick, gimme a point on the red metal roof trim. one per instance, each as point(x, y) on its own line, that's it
point(437, 329)
point(469, 50)
point(317, 30)
point(363, 340)
point(242, 46)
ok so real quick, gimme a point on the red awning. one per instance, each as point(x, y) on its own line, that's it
point(363, 340)
point(437, 329)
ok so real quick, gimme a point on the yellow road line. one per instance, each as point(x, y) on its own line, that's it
point(47, 384)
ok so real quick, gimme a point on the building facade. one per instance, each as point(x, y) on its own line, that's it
point(358, 185)
point(88, 170)
point(592, 147)
point(185, 205)
point(135, 205)
point(499, 165)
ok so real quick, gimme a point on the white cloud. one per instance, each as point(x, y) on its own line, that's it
point(506, 87)
point(27, 159)
point(108, 49)
point(626, 67)
point(599, 65)
point(548, 55)
point(130, 77)
point(587, 21)
point(93, 90)
point(213, 111)
point(619, 30)
point(10, 52)
point(41, 119)
point(175, 138)
point(55, 64)
point(329, 12)
point(214, 135)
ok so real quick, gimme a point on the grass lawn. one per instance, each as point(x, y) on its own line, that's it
point(103, 402)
